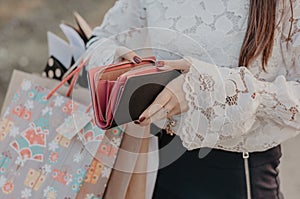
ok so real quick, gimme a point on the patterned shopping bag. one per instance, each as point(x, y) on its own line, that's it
point(105, 154)
point(44, 153)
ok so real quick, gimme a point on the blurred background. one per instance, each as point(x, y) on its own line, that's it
point(23, 45)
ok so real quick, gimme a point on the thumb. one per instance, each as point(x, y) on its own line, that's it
point(128, 54)
point(180, 64)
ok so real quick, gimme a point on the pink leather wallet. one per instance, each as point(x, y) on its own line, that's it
point(121, 92)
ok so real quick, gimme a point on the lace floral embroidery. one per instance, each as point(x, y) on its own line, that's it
point(259, 109)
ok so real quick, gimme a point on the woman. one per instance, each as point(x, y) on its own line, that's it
point(253, 87)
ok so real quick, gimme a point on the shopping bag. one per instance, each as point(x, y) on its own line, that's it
point(98, 173)
point(36, 160)
point(143, 182)
point(36, 155)
point(135, 171)
point(79, 94)
point(146, 188)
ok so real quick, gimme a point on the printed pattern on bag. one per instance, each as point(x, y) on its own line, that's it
point(50, 193)
point(100, 169)
point(62, 141)
point(22, 112)
point(69, 107)
point(69, 128)
point(94, 172)
point(63, 177)
point(34, 179)
point(37, 94)
point(8, 187)
point(5, 127)
point(38, 162)
point(31, 144)
point(5, 158)
point(78, 179)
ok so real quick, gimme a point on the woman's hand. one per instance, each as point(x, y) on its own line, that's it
point(123, 53)
point(171, 101)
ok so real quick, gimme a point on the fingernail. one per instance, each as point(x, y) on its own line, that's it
point(142, 119)
point(136, 122)
point(159, 63)
point(137, 60)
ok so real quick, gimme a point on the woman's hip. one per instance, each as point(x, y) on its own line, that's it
point(219, 174)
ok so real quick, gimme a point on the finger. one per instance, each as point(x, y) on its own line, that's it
point(153, 109)
point(160, 101)
point(136, 131)
point(126, 53)
point(181, 64)
point(163, 113)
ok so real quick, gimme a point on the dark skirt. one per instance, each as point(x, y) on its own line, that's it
point(218, 175)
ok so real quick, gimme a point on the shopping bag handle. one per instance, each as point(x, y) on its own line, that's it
point(75, 74)
point(72, 84)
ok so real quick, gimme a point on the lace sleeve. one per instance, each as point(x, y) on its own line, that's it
point(224, 104)
point(123, 16)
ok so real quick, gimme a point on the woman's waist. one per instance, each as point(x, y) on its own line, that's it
point(216, 157)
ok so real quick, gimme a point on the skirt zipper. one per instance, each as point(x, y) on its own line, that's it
point(247, 173)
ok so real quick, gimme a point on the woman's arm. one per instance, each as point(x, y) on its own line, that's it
point(224, 103)
point(123, 16)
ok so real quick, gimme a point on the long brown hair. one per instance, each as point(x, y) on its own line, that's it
point(259, 38)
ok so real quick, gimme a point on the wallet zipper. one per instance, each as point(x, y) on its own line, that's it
point(111, 67)
point(117, 100)
point(247, 173)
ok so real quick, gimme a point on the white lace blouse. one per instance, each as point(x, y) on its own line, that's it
point(231, 108)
